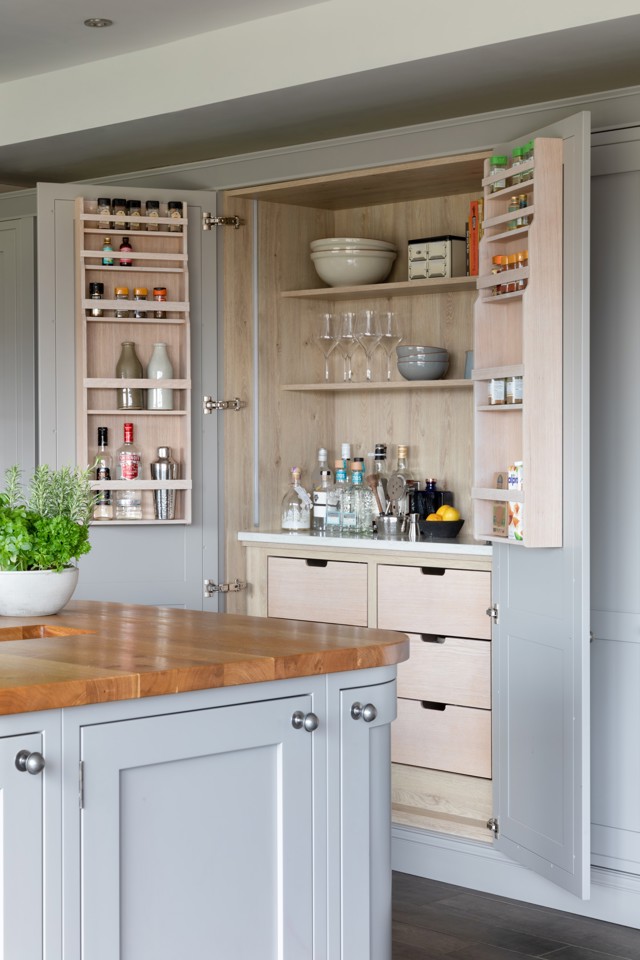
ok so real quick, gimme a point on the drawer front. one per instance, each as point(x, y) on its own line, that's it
point(457, 739)
point(448, 670)
point(450, 603)
point(442, 801)
point(327, 591)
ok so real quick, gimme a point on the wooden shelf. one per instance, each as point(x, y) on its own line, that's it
point(402, 288)
point(489, 493)
point(495, 373)
point(393, 385)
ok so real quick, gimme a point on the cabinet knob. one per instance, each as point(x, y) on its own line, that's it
point(306, 721)
point(367, 712)
point(29, 762)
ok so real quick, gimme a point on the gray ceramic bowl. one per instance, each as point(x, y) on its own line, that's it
point(423, 369)
point(411, 349)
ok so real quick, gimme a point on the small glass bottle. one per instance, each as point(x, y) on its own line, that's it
point(320, 494)
point(527, 157)
point(402, 470)
point(107, 261)
point(174, 211)
point(103, 509)
point(134, 209)
point(365, 505)
point(497, 164)
point(350, 504)
point(160, 296)
point(322, 464)
point(523, 203)
point(496, 395)
point(160, 368)
point(513, 207)
point(513, 390)
point(152, 209)
point(296, 506)
point(125, 248)
point(103, 210)
point(140, 293)
point(380, 472)
point(96, 292)
point(128, 467)
point(516, 162)
point(129, 367)
point(119, 211)
point(122, 293)
point(498, 267)
point(332, 522)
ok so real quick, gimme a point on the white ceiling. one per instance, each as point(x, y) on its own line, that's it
point(38, 37)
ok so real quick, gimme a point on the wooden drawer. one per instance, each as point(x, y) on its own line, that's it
point(327, 591)
point(451, 603)
point(447, 669)
point(441, 801)
point(457, 739)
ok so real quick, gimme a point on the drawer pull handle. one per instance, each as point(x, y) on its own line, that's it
point(313, 562)
point(433, 571)
point(432, 705)
point(431, 638)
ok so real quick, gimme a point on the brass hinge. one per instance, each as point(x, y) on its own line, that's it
point(211, 587)
point(81, 785)
point(208, 221)
point(494, 826)
point(209, 404)
point(493, 612)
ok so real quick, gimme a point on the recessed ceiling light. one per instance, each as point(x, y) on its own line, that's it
point(98, 22)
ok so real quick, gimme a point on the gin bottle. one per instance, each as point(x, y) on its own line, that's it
point(322, 464)
point(103, 509)
point(365, 502)
point(128, 467)
point(351, 503)
point(333, 514)
point(320, 494)
point(296, 505)
point(402, 504)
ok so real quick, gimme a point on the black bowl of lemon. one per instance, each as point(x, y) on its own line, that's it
point(443, 525)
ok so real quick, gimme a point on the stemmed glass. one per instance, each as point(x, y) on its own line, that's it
point(389, 337)
point(368, 335)
point(347, 341)
point(326, 340)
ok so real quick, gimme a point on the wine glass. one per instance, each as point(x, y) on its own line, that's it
point(368, 335)
point(347, 341)
point(326, 340)
point(389, 337)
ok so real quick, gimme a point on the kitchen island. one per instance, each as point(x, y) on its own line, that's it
point(185, 784)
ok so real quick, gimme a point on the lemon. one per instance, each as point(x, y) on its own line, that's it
point(434, 516)
point(441, 510)
point(450, 513)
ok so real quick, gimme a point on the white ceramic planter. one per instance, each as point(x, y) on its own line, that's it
point(35, 593)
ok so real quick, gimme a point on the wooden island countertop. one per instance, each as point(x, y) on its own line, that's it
point(95, 652)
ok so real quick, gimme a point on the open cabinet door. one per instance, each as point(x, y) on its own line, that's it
point(150, 563)
point(541, 639)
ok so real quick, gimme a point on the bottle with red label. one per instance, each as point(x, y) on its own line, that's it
point(125, 248)
point(128, 467)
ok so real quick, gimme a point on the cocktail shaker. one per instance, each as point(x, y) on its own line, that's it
point(164, 468)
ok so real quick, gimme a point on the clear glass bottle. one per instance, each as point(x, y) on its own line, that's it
point(103, 509)
point(402, 470)
point(128, 467)
point(125, 248)
point(366, 509)
point(152, 209)
point(160, 368)
point(322, 464)
point(107, 261)
point(332, 521)
point(296, 506)
point(350, 504)
point(320, 495)
point(129, 367)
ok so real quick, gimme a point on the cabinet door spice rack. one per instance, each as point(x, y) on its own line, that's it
point(519, 333)
point(159, 259)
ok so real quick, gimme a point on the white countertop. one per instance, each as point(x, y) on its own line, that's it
point(462, 546)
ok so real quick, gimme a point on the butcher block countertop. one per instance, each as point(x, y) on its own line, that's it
point(94, 652)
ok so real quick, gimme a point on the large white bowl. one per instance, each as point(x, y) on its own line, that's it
point(423, 369)
point(350, 243)
point(346, 269)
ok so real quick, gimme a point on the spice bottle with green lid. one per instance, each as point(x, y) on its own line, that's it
point(498, 164)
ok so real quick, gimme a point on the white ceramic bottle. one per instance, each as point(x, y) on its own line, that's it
point(159, 368)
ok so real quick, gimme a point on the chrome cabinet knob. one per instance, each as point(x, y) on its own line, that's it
point(29, 762)
point(306, 721)
point(367, 712)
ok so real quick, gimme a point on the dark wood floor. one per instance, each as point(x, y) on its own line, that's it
point(433, 921)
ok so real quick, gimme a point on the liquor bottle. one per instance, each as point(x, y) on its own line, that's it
point(351, 503)
point(323, 464)
point(296, 505)
point(380, 471)
point(125, 247)
point(332, 520)
point(402, 505)
point(103, 509)
point(128, 467)
point(320, 494)
point(366, 508)
point(107, 261)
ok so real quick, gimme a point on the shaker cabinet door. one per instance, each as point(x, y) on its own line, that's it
point(195, 835)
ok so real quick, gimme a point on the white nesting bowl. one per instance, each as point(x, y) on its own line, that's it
point(353, 268)
point(423, 369)
point(350, 243)
point(413, 349)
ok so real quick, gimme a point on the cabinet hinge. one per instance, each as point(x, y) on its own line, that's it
point(81, 785)
point(494, 826)
point(209, 404)
point(211, 587)
point(208, 221)
point(493, 612)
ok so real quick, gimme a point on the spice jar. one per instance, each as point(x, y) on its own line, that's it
point(134, 209)
point(513, 208)
point(140, 293)
point(119, 210)
point(497, 268)
point(527, 156)
point(516, 162)
point(513, 390)
point(122, 293)
point(174, 208)
point(497, 164)
point(96, 291)
point(523, 203)
point(522, 260)
point(152, 209)
point(103, 210)
point(497, 392)
point(160, 295)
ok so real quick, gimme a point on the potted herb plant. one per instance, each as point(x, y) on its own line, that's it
point(42, 535)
